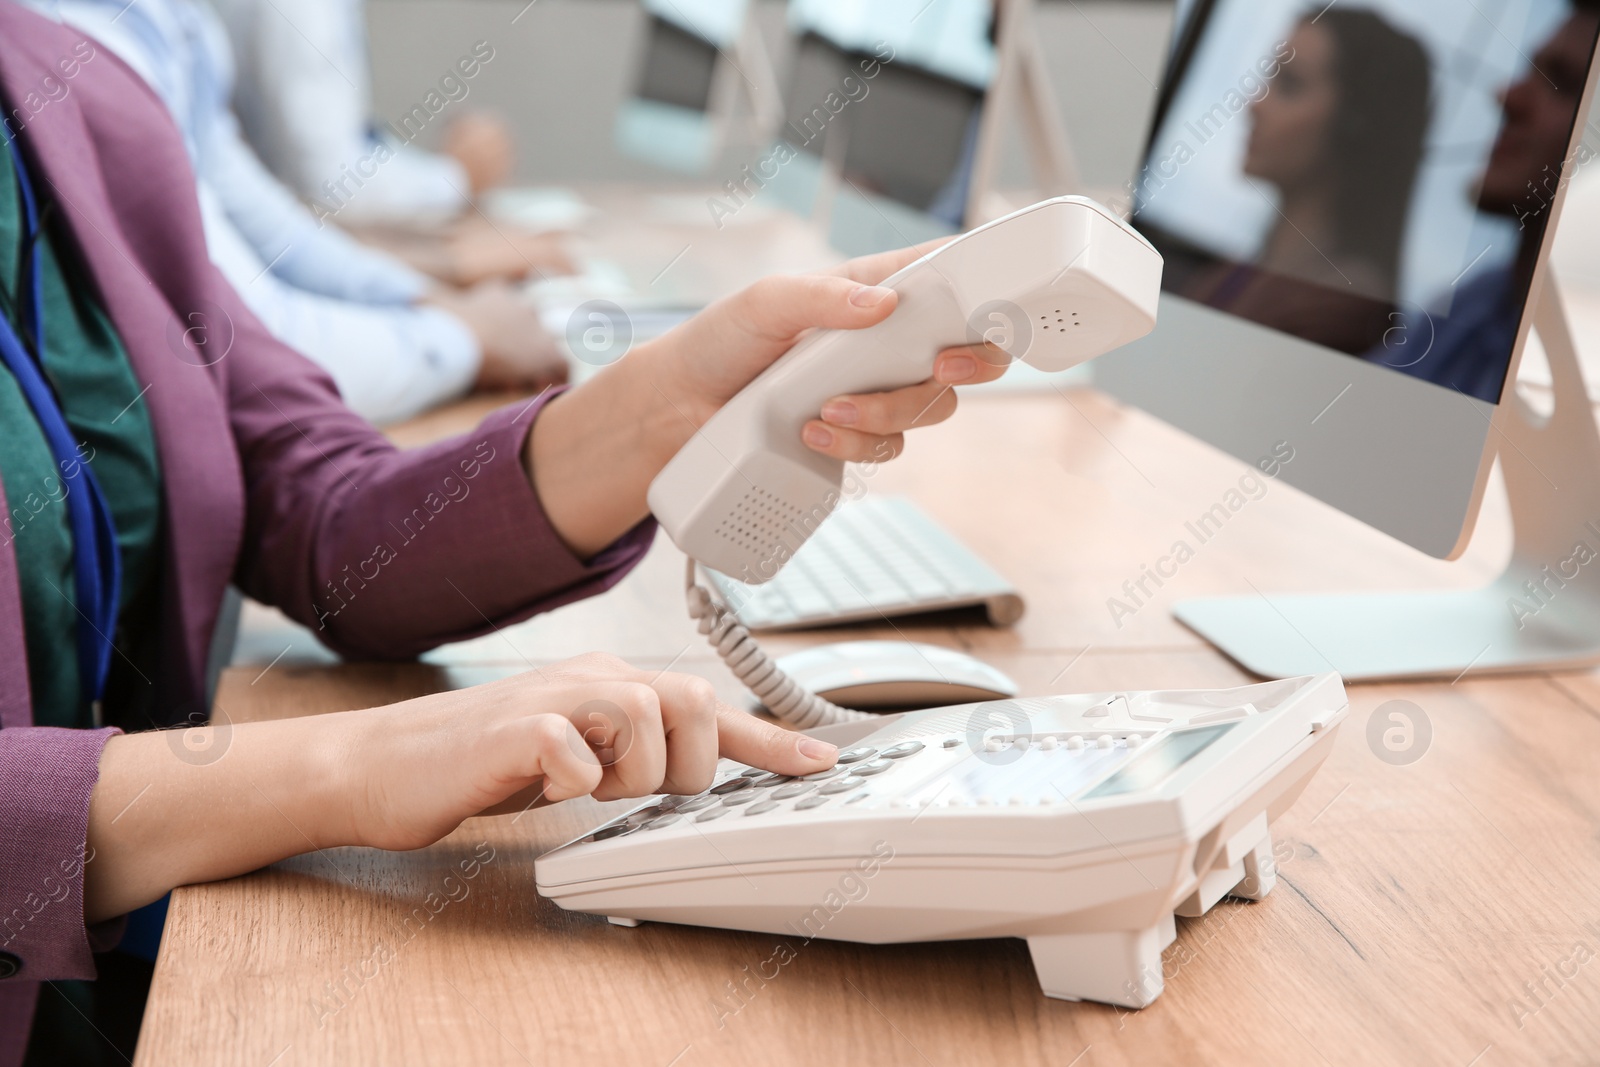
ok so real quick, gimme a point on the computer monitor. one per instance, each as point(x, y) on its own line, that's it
point(679, 107)
point(884, 104)
point(1355, 204)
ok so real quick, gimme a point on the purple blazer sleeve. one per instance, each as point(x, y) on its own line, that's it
point(385, 553)
point(46, 777)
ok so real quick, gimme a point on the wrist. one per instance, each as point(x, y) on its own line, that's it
point(594, 450)
point(347, 748)
point(668, 413)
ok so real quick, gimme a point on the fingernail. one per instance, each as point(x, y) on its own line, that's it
point(869, 296)
point(840, 412)
point(817, 436)
point(811, 748)
point(957, 368)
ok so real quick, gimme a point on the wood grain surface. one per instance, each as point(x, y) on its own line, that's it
point(1445, 911)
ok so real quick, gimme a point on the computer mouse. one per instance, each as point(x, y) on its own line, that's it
point(895, 674)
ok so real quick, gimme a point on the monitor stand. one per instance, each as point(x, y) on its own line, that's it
point(1021, 85)
point(1543, 613)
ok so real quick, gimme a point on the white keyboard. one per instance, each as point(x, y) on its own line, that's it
point(876, 557)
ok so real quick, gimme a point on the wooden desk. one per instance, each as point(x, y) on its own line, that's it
point(1444, 912)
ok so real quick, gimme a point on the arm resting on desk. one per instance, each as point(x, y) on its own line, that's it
point(402, 776)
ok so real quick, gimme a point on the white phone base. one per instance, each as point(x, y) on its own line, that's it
point(1082, 824)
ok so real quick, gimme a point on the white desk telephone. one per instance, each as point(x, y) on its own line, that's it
point(1081, 823)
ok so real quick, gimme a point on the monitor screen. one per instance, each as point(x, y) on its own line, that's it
point(678, 66)
point(890, 93)
point(908, 136)
point(670, 118)
point(1371, 176)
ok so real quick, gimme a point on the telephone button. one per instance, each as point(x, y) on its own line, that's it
point(820, 776)
point(842, 785)
point(761, 808)
point(743, 796)
point(697, 804)
point(905, 748)
point(810, 802)
point(877, 766)
point(711, 813)
point(608, 832)
point(856, 755)
point(732, 785)
point(793, 789)
point(772, 779)
point(662, 820)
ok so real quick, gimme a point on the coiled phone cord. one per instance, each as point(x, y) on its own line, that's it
point(781, 695)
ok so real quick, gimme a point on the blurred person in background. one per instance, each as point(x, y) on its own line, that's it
point(1338, 133)
point(1466, 350)
point(395, 343)
point(304, 99)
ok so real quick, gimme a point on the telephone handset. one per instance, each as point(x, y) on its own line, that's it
point(1054, 285)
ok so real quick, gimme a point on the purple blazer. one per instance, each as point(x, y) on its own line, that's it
point(270, 481)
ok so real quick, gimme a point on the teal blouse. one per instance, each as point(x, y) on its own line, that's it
point(86, 363)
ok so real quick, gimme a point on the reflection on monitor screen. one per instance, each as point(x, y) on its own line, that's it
point(1373, 176)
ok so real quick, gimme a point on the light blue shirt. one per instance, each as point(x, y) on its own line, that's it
point(346, 306)
point(304, 95)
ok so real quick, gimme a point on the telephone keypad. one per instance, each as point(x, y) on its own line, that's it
point(763, 790)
